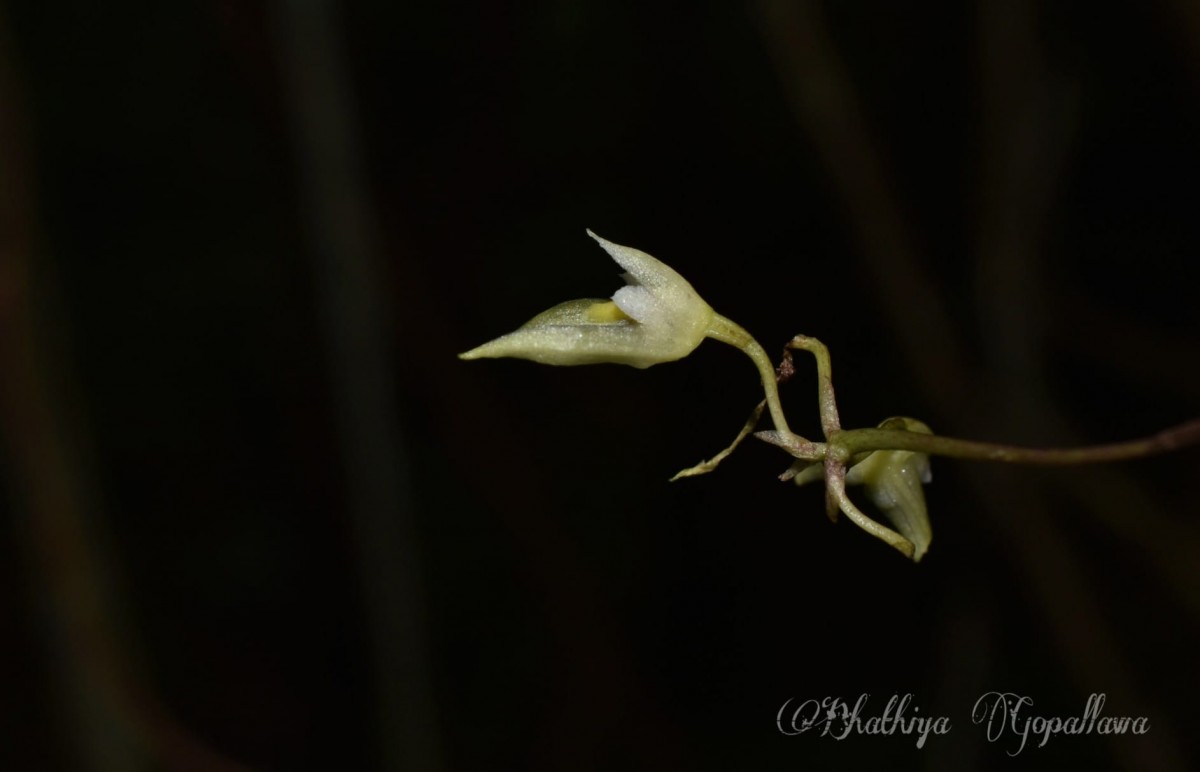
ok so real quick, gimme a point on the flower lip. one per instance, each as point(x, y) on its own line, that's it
point(657, 317)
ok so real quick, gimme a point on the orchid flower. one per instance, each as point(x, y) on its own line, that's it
point(657, 317)
point(891, 479)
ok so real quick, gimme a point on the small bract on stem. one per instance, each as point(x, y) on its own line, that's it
point(658, 317)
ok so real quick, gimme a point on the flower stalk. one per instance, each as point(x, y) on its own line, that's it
point(727, 331)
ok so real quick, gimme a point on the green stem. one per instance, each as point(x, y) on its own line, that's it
point(847, 444)
point(835, 492)
point(730, 332)
point(863, 440)
point(850, 443)
point(830, 422)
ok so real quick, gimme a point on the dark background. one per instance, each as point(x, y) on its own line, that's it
point(261, 516)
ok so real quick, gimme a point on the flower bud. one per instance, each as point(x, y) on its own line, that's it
point(892, 480)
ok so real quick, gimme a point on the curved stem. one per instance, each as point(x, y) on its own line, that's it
point(730, 332)
point(835, 490)
point(862, 440)
point(704, 467)
point(830, 422)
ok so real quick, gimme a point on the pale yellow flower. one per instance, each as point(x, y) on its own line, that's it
point(657, 317)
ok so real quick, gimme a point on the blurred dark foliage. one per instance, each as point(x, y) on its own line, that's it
point(987, 211)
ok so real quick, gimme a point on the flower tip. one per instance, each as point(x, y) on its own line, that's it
point(494, 349)
point(478, 352)
point(604, 243)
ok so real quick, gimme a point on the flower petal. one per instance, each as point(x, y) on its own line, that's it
point(661, 299)
point(573, 333)
point(644, 269)
point(892, 481)
point(639, 304)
